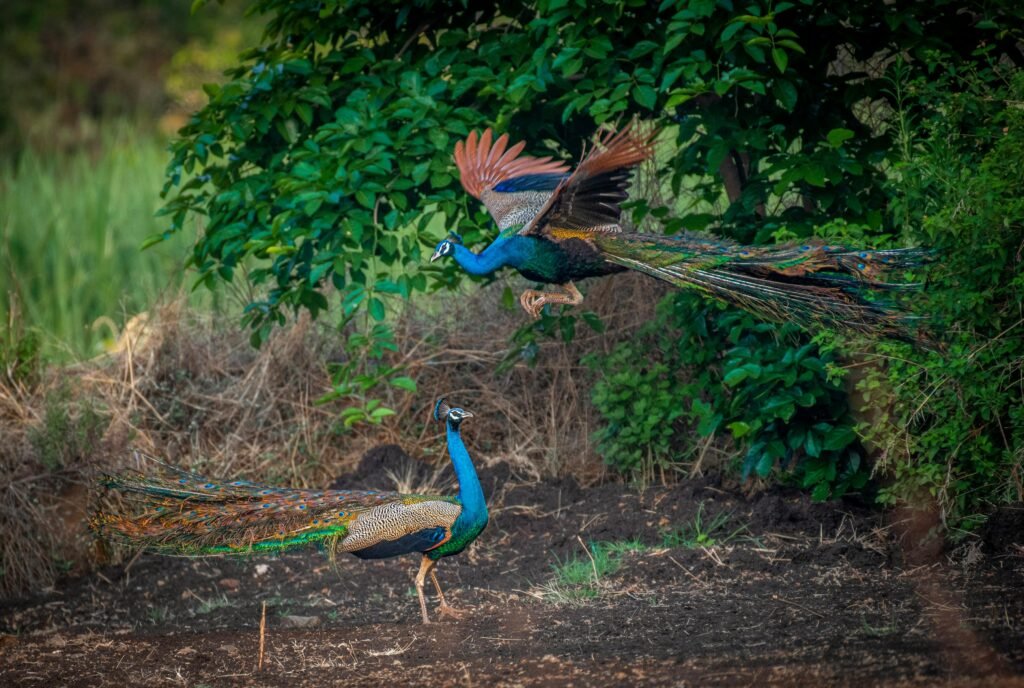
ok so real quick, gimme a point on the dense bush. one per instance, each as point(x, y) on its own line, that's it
point(724, 371)
point(322, 168)
point(324, 157)
point(949, 424)
point(944, 423)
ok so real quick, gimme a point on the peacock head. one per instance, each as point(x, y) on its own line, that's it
point(446, 247)
point(444, 412)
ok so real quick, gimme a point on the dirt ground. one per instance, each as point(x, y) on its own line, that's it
point(792, 593)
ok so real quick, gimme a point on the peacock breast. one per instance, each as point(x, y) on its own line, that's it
point(467, 528)
point(564, 260)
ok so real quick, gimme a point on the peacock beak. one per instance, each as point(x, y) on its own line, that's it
point(467, 414)
point(437, 254)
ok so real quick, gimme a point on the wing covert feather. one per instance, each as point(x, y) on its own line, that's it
point(591, 198)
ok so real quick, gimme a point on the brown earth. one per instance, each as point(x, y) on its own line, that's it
point(803, 594)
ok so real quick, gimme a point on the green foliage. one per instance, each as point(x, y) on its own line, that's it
point(354, 380)
point(581, 578)
point(20, 355)
point(214, 603)
point(72, 226)
point(722, 370)
point(950, 424)
point(700, 533)
point(159, 615)
point(562, 325)
point(639, 406)
point(67, 433)
point(326, 154)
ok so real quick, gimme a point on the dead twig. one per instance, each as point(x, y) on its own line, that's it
point(263, 635)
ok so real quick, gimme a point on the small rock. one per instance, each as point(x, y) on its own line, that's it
point(261, 569)
point(232, 584)
point(300, 622)
point(185, 651)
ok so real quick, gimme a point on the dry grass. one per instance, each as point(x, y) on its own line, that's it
point(189, 389)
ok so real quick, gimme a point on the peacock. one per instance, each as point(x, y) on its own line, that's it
point(557, 227)
point(186, 514)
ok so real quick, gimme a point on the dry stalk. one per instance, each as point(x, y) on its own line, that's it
point(263, 635)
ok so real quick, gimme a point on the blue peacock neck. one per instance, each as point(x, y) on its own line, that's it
point(474, 508)
point(502, 252)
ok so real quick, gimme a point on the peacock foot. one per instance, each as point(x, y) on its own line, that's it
point(532, 302)
point(448, 610)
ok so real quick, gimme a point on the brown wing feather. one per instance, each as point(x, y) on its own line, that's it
point(625, 148)
point(591, 198)
point(482, 164)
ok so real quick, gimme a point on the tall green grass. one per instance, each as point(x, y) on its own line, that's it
point(72, 226)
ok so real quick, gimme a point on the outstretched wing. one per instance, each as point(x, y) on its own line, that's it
point(511, 186)
point(184, 513)
point(591, 198)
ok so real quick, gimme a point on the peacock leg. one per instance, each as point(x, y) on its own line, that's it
point(446, 609)
point(426, 567)
point(533, 301)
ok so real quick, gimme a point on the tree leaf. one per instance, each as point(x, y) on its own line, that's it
point(780, 58)
point(645, 96)
point(376, 309)
point(836, 137)
point(404, 382)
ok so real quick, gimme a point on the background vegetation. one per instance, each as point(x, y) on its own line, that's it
point(314, 176)
point(326, 156)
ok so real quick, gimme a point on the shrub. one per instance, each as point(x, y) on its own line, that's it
point(950, 425)
point(724, 371)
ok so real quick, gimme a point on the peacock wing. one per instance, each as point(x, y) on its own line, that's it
point(511, 186)
point(184, 513)
point(590, 200)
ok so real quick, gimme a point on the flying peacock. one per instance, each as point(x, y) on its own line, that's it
point(188, 515)
point(558, 227)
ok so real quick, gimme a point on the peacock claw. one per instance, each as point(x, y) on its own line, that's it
point(532, 302)
point(447, 610)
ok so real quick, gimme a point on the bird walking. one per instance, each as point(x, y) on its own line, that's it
point(189, 515)
point(557, 228)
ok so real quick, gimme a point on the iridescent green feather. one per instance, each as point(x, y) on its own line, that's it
point(809, 283)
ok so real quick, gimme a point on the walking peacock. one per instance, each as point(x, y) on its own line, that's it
point(188, 515)
point(558, 227)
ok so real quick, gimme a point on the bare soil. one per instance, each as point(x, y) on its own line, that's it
point(803, 594)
